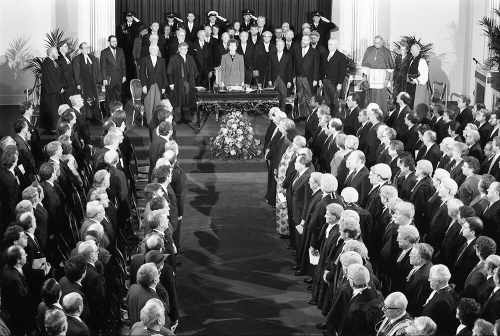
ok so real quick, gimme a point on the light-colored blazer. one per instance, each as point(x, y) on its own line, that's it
point(232, 71)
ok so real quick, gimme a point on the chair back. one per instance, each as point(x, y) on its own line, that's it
point(136, 89)
point(438, 92)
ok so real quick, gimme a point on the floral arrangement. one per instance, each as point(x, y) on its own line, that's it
point(236, 139)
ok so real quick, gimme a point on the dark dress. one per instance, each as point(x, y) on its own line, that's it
point(50, 99)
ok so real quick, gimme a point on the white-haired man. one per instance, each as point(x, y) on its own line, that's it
point(440, 221)
point(396, 319)
point(153, 76)
point(357, 320)
point(357, 177)
point(441, 304)
point(52, 89)
point(420, 194)
point(380, 175)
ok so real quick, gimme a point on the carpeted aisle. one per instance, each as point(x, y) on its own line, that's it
point(236, 276)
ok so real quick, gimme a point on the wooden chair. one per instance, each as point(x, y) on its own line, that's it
point(438, 92)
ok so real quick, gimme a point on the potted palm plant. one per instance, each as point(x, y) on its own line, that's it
point(491, 64)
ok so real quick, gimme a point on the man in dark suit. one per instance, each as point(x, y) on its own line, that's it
point(440, 219)
point(10, 184)
point(323, 26)
point(452, 240)
point(178, 184)
point(464, 115)
point(396, 318)
point(247, 49)
point(157, 147)
point(333, 70)
point(26, 161)
point(363, 311)
point(202, 53)
point(357, 177)
point(263, 52)
point(66, 67)
point(420, 193)
point(416, 287)
point(441, 304)
point(51, 90)
point(492, 212)
point(153, 76)
point(73, 307)
point(397, 118)
point(94, 286)
point(113, 69)
point(351, 121)
point(191, 27)
point(306, 72)
point(372, 141)
point(127, 32)
point(87, 72)
point(491, 308)
point(477, 277)
point(16, 296)
point(466, 256)
point(430, 150)
point(280, 71)
point(362, 131)
point(182, 74)
point(405, 179)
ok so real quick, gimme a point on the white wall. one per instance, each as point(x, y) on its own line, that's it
point(87, 20)
point(30, 19)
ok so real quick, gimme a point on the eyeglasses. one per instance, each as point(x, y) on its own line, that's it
point(384, 307)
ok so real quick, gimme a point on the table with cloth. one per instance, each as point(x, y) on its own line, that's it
point(208, 102)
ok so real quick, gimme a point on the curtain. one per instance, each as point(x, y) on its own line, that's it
point(295, 12)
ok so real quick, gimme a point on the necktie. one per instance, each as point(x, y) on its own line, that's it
point(348, 180)
point(113, 51)
point(462, 250)
point(413, 271)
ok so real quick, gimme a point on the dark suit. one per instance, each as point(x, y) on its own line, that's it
point(464, 117)
point(150, 75)
point(417, 289)
point(442, 310)
point(280, 73)
point(307, 66)
point(68, 79)
point(261, 59)
point(16, 301)
point(485, 133)
point(419, 196)
point(397, 121)
point(437, 226)
point(113, 70)
point(203, 57)
point(332, 73)
point(87, 75)
point(405, 184)
point(449, 246)
point(474, 281)
point(490, 221)
point(50, 99)
point(372, 143)
point(491, 308)
point(249, 60)
point(441, 129)
point(351, 122)
point(76, 327)
point(362, 313)
point(26, 159)
point(94, 288)
point(433, 154)
point(465, 262)
point(9, 197)
point(361, 183)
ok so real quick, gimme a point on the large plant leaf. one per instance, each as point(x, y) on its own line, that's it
point(55, 38)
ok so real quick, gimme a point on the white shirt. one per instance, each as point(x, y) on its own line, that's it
point(266, 47)
point(330, 55)
point(432, 294)
point(243, 47)
point(357, 291)
point(423, 70)
point(153, 60)
point(87, 59)
point(280, 54)
point(304, 51)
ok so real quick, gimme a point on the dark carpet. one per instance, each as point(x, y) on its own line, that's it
point(236, 276)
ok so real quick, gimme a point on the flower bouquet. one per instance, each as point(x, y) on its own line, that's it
point(236, 139)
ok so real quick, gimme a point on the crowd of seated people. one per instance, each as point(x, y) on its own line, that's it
point(77, 254)
point(393, 220)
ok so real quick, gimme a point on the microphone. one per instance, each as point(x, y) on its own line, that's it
point(475, 60)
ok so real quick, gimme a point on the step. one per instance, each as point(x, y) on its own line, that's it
point(213, 166)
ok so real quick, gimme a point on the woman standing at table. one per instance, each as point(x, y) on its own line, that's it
point(232, 67)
